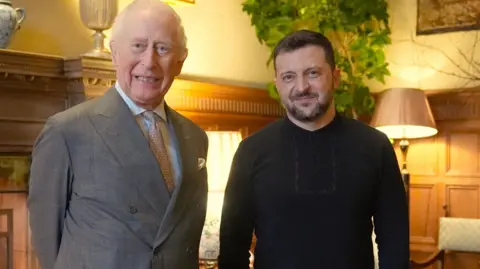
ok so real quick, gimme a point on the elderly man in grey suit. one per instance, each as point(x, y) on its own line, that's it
point(120, 182)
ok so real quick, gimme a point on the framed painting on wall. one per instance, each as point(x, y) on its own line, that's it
point(14, 172)
point(442, 16)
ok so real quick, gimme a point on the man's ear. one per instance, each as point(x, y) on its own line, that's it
point(276, 79)
point(180, 62)
point(184, 57)
point(336, 77)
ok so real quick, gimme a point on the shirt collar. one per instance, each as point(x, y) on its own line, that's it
point(136, 110)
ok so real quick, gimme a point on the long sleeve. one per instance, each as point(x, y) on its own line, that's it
point(391, 216)
point(236, 227)
point(48, 193)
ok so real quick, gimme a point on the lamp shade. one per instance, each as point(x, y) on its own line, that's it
point(403, 113)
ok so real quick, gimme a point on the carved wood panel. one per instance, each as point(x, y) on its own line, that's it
point(462, 200)
point(423, 214)
point(462, 154)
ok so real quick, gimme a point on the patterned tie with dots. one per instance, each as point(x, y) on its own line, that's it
point(158, 147)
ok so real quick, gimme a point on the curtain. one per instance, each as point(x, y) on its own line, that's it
point(222, 148)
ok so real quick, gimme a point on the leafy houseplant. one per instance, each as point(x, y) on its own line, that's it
point(358, 30)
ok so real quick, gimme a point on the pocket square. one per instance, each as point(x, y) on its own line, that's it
point(201, 163)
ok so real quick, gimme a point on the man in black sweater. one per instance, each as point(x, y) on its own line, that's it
point(309, 184)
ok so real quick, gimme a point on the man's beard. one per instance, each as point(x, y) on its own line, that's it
point(303, 115)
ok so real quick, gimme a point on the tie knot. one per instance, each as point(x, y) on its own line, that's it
point(150, 115)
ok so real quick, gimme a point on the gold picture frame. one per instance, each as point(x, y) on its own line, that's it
point(442, 16)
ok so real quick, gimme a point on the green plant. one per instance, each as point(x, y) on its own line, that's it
point(358, 29)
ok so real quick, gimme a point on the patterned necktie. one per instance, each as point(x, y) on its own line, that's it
point(158, 147)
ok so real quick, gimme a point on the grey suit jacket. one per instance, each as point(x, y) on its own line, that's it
point(97, 199)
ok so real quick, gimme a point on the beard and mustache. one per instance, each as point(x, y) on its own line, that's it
point(305, 113)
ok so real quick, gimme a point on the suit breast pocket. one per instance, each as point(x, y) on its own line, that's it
point(201, 178)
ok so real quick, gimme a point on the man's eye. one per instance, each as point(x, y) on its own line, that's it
point(313, 73)
point(287, 78)
point(163, 49)
point(138, 46)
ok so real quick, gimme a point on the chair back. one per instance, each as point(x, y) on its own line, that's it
point(459, 234)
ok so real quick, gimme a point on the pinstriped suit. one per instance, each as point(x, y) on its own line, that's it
point(97, 198)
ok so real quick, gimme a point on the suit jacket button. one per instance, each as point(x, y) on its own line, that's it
point(189, 250)
point(132, 209)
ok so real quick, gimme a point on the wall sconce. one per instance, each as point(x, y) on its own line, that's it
point(404, 113)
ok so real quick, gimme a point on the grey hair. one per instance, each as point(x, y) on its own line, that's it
point(137, 5)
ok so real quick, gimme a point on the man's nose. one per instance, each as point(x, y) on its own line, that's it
point(149, 58)
point(302, 84)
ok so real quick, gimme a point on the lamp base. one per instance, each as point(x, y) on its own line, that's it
point(404, 144)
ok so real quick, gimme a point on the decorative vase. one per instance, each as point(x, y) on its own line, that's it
point(10, 21)
point(98, 15)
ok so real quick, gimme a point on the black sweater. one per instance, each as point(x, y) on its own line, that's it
point(310, 197)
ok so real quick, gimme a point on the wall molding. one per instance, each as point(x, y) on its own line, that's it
point(36, 86)
point(81, 78)
point(462, 104)
point(94, 76)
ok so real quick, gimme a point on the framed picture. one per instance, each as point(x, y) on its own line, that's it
point(14, 172)
point(442, 16)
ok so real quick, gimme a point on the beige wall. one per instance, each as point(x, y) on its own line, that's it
point(50, 27)
point(416, 66)
point(223, 46)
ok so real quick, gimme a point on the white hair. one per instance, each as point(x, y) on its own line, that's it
point(139, 5)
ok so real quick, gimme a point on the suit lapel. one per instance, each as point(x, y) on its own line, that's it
point(180, 197)
point(120, 131)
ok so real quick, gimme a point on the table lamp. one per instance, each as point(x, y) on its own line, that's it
point(404, 113)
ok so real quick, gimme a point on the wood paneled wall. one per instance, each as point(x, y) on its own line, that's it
point(445, 173)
